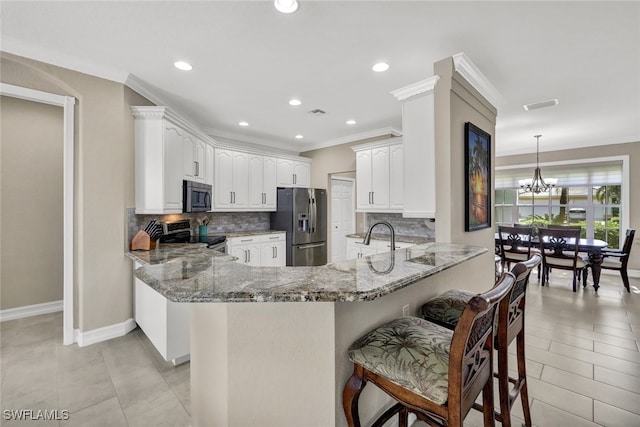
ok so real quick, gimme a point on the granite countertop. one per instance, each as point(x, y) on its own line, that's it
point(416, 240)
point(192, 273)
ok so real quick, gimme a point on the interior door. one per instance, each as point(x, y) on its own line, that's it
point(342, 213)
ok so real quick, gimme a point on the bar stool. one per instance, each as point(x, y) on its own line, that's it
point(428, 369)
point(446, 310)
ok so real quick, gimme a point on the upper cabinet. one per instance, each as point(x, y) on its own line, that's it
point(293, 173)
point(193, 158)
point(169, 150)
point(231, 179)
point(159, 168)
point(379, 176)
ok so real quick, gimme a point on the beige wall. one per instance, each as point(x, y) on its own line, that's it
point(31, 191)
point(103, 185)
point(632, 149)
point(457, 102)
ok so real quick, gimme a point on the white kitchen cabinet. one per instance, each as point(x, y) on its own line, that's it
point(273, 251)
point(208, 159)
point(158, 161)
point(193, 158)
point(164, 322)
point(231, 182)
point(261, 250)
point(379, 176)
point(293, 173)
point(262, 182)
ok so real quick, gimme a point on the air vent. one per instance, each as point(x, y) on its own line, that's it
point(317, 112)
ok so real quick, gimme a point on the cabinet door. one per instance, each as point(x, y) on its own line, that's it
point(208, 164)
point(173, 168)
point(240, 179)
point(253, 251)
point(280, 259)
point(256, 172)
point(396, 176)
point(363, 179)
point(269, 182)
point(188, 148)
point(240, 252)
point(223, 182)
point(285, 172)
point(301, 174)
point(269, 254)
point(380, 177)
point(199, 160)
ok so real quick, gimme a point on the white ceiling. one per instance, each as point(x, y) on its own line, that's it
point(249, 60)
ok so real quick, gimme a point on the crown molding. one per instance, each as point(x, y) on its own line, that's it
point(376, 144)
point(59, 59)
point(163, 112)
point(138, 85)
point(423, 86)
point(251, 142)
point(467, 69)
point(374, 133)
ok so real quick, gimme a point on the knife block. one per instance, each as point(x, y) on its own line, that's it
point(142, 241)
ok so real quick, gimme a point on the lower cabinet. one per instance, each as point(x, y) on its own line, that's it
point(356, 249)
point(264, 250)
point(164, 322)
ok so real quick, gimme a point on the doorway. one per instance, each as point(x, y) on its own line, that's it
point(68, 111)
point(342, 215)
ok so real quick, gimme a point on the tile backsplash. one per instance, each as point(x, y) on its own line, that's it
point(219, 222)
point(403, 226)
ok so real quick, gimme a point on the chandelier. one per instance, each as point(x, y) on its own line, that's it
point(537, 184)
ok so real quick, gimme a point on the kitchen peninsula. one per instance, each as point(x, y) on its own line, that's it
point(268, 344)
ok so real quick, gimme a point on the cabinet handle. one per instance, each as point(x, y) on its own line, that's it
point(294, 178)
point(246, 257)
point(230, 196)
point(249, 255)
point(234, 196)
point(274, 254)
point(264, 198)
point(372, 199)
point(197, 168)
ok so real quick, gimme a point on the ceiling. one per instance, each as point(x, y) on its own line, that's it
point(249, 60)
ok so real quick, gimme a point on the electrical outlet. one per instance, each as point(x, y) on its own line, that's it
point(405, 310)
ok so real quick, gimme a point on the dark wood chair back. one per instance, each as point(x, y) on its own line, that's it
point(515, 243)
point(471, 355)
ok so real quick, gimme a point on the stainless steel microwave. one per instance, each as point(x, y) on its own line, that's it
point(196, 196)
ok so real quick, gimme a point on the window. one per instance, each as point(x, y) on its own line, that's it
point(589, 195)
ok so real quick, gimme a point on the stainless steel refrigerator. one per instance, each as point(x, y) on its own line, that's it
point(302, 213)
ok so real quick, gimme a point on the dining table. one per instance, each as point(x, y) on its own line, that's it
point(593, 247)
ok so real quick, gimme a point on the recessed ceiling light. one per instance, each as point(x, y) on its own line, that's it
point(351, 122)
point(298, 136)
point(243, 123)
point(295, 102)
point(380, 67)
point(286, 6)
point(184, 66)
point(543, 104)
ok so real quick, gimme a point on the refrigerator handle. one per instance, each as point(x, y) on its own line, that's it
point(314, 215)
point(313, 245)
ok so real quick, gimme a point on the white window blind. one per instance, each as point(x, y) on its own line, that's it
point(604, 173)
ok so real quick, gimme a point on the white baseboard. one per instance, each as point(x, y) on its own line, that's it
point(30, 310)
point(106, 333)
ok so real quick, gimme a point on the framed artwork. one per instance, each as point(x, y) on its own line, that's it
point(477, 169)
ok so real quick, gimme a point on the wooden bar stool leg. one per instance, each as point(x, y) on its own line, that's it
point(351, 394)
point(522, 376)
point(503, 386)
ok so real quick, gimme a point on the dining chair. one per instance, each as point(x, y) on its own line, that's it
point(554, 246)
point(515, 244)
point(614, 259)
point(429, 370)
point(446, 309)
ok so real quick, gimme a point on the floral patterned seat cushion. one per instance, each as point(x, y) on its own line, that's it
point(410, 352)
point(447, 308)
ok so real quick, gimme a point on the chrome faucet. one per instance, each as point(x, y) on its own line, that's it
point(367, 237)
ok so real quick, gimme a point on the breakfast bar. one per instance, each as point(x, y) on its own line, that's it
point(268, 344)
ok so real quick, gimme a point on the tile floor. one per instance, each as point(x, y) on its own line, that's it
point(583, 364)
